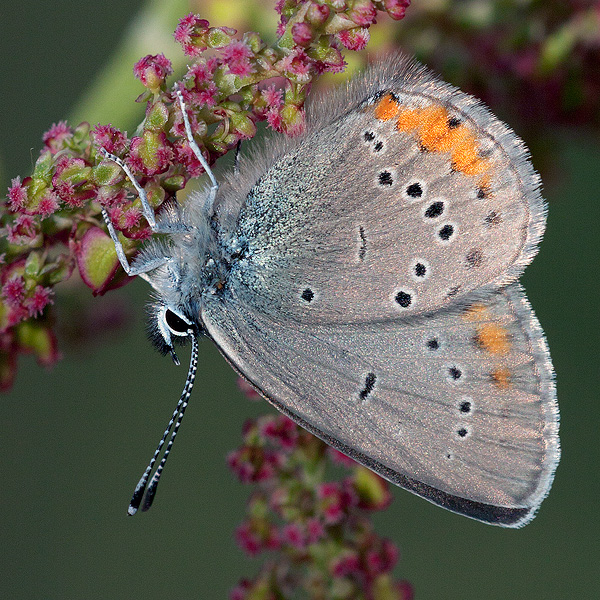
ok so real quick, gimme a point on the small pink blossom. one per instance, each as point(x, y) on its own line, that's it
point(333, 501)
point(13, 291)
point(65, 190)
point(247, 539)
point(302, 34)
point(274, 120)
point(243, 469)
point(363, 13)
point(55, 137)
point(237, 57)
point(48, 204)
point(396, 8)
point(355, 39)
point(253, 536)
point(23, 230)
point(127, 219)
point(178, 128)
point(382, 560)
point(110, 197)
point(272, 96)
point(345, 565)
point(317, 13)
point(152, 71)
point(203, 71)
point(207, 96)
point(240, 591)
point(297, 64)
point(293, 535)
point(14, 315)
point(186, 156)
point(315, 530)
point(41, 297)
point(333, 63)
point(17, 194)
point(281, 431)
point(253, 465)
point(150, 154)
point(190, 30)
point(131, 217)
point(110, 138)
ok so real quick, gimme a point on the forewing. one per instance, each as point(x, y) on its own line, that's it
point(406, 196)
point(457, 407)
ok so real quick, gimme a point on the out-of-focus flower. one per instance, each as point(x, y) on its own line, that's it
point(320, 527)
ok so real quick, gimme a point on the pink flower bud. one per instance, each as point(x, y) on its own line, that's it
point(237, 57)
point(396, 8)
point(109, 138)
point(354, 39)
point(152, 70)
point(363, 13)
point(151, 153)
point(317, 14)
point(17, 194)
point(56, 136)
point(192, 34)
point(301, 34)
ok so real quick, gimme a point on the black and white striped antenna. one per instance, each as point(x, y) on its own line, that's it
point(146, 488)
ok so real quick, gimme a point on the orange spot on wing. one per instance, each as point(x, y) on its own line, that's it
point(409, 120)
point(479, 165)
point(435, 134)
point(493, 338)
point(485, 183)
point(475, 312)
point(501, 377)
point(386, 108)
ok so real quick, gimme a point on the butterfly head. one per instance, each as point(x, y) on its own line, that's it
point(168, 326)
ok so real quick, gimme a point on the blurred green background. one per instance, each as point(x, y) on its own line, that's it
point(76, 439)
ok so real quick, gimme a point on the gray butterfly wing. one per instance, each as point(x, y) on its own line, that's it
point(347, 255)
point(457, 407)
point(405, 195)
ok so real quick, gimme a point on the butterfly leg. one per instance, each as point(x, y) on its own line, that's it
point(146, 208)
point(188, 132)
point(148, 213)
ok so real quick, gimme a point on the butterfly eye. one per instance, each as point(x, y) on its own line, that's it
point(176, 324)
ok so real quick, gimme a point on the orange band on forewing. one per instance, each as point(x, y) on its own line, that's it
point(434, 126)
point(409, 120)
point(453, 138)
point(386, 108)
point(465, 158)
point(431, 125)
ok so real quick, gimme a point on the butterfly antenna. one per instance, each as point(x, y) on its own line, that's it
point(172, 428)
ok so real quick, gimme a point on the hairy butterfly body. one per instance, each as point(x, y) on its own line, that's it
point(362, 278)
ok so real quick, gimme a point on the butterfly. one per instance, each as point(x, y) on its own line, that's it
point(363, 278)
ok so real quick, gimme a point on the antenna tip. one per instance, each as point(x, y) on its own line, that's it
point(174, 357)
point(131, 510)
